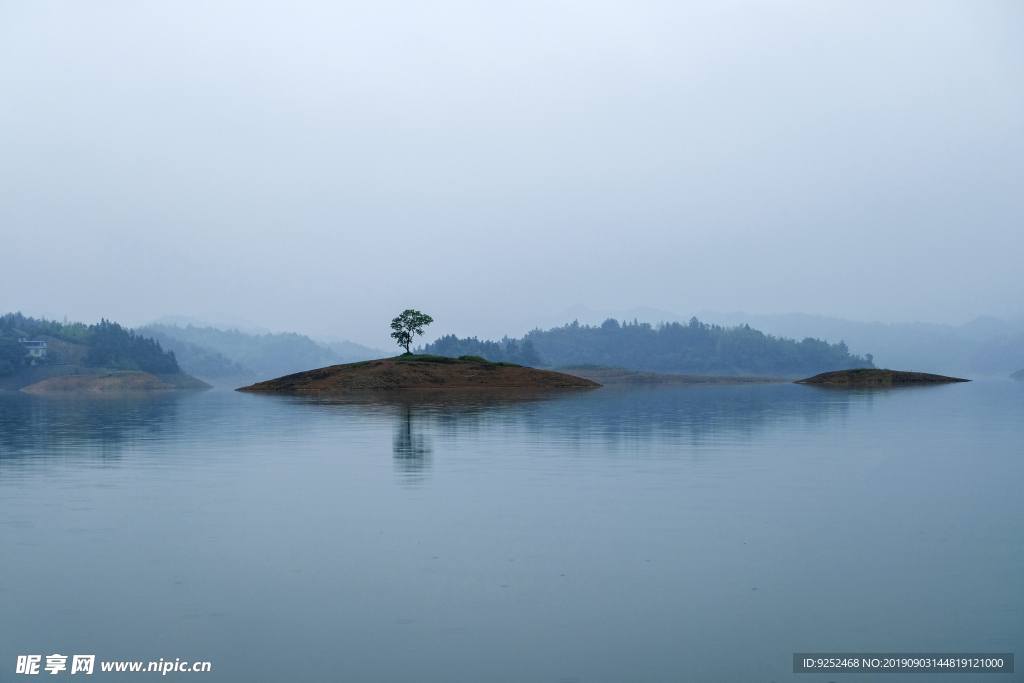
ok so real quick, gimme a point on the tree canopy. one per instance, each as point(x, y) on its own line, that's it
point(409, 324)
point(112, 346)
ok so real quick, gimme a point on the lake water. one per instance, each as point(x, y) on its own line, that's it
point(680, 534)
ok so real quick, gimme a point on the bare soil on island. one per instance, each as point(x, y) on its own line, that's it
point(872, 377)
point(419, 372)
point(114, 383)
point(621, 376)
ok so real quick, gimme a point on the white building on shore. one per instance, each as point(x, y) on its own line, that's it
point(34, 350)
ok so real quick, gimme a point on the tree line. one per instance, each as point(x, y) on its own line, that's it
point(695, 348)
point(505, 351)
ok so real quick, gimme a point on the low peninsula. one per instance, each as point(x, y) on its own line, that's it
point(411, 371)
point(873, 377)
point(114, 383)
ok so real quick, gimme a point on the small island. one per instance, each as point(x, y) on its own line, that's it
point(412, 371)
point(873, 377)
point(417, 371)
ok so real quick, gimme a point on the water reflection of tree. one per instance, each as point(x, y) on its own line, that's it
point(411, 449)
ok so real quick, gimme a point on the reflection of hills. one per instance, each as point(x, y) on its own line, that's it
point(33, 426)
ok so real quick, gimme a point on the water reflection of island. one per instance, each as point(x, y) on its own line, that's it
point(685, 415)
point(33, 429)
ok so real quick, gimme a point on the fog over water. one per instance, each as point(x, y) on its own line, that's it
point(319, 167)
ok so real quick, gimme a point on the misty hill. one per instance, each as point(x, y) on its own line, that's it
point(202, 361)
point(224, 355)
point(695, 348)
point(985, 345)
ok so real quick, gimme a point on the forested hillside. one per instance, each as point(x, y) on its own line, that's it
point(106, 344)
point(695, 348)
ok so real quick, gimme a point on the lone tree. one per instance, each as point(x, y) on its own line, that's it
point(407, 325)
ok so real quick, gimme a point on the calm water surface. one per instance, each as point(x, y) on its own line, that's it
point(685, 534)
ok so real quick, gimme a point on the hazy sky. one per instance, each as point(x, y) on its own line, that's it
point(320, 167)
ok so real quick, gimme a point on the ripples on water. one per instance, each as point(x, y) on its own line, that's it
point(701, 533)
